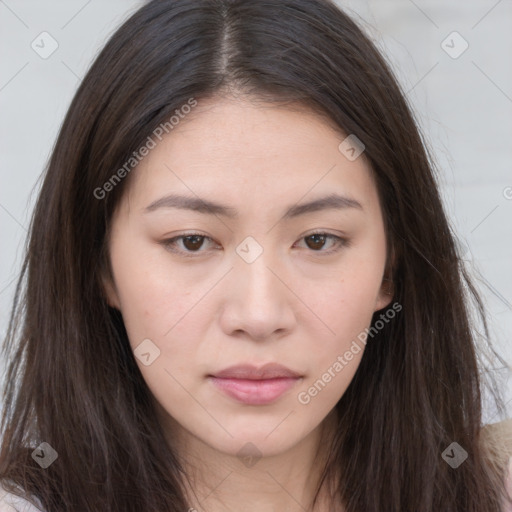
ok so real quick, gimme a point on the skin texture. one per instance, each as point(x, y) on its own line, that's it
point(293, 304)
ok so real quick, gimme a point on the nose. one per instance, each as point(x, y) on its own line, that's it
point(258, 302)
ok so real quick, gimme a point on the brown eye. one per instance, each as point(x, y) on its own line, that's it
point(315, 242)
point(193, 242)
point(324, 243)
point(188, 245)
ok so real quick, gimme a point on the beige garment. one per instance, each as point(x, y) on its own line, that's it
point(11, 503)
point(497, 438)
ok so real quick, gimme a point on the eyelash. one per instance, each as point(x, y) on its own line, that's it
point(168, 243)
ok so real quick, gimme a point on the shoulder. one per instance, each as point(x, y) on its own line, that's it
point(497, 442)
point(10, 502)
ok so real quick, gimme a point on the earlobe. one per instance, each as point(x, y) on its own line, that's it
point(386, 293)
point(110, 293)
point(107, 284)
point(387, 287)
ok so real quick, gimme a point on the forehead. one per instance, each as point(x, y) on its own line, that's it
point(241, 151)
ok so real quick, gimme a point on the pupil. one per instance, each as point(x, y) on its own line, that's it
point(196, 244)
point(317, 239)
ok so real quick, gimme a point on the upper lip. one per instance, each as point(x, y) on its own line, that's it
point(250, 372)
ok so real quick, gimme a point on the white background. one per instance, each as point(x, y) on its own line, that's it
point(463, 104)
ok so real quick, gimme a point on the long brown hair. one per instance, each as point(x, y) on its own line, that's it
point(72, 380)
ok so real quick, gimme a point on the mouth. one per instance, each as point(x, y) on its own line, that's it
point(255, 386)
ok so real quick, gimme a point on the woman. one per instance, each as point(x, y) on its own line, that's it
point(242, 290)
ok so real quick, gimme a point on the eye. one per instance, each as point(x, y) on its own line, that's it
point(317, 242)
point(190, 243)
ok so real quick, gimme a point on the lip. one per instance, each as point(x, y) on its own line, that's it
point(255, 385)
point(250, 372)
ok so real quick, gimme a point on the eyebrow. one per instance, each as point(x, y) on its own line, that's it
point(205, 206)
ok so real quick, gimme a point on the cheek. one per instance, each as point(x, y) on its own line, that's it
point(346, 302)
point(163, 316)
point(152, 295)
point(323, 390)
point(346, 307)
point(347, 311)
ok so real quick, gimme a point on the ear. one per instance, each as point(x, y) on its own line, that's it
point(110, 292)
point(385, 295)
point(109, 289)
point(387, 288)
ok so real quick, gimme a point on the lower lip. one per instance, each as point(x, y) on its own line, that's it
point(255, 392)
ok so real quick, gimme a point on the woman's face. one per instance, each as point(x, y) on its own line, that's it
point(255, 283)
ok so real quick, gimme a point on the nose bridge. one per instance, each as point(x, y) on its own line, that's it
point(259, 303)
point(253, 270)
